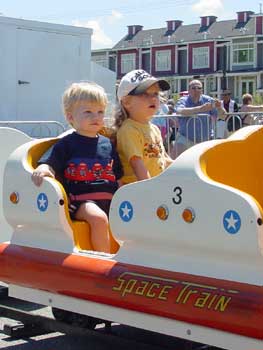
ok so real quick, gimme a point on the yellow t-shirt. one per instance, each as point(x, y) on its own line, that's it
point(141, 140)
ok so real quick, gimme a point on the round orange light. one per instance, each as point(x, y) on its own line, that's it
point(14, 197)
point(188, 215)
point(162, 212)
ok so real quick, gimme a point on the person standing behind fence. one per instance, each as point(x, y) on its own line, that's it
point(160, 118)
point(173, 123)
point(190, 131)
point(232, 122)
point(164, 109)
point(227, 103)
point(247, 106)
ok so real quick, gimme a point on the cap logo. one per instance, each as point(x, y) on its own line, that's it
point(139, 76)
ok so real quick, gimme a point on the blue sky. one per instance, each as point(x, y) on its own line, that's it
point(109, 18)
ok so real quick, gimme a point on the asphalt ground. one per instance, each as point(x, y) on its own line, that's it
point(120, 337)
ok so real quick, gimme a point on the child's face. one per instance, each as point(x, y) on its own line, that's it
point(144, 106)
point(87, 117)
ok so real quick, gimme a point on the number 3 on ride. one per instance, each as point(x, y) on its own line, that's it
point(178, 195)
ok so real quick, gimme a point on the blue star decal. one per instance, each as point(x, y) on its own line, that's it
point(232, 222)
point(42, 202)
point(126, 211)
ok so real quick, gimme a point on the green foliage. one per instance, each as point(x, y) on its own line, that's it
point(175, 96)
point(258, 99)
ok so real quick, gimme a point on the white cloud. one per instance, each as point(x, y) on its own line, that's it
point(114, 17)
point(208, 7)
point(98, 39)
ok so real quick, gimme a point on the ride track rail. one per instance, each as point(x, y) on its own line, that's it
point(28, 324)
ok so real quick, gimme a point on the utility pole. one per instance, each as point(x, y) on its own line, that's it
point(224, 85)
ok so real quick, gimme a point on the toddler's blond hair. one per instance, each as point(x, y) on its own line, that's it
point(83, 91)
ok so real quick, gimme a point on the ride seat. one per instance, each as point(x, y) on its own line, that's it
point(81, 229)
point(238, 163)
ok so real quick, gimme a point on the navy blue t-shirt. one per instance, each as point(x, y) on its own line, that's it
point(86, 164)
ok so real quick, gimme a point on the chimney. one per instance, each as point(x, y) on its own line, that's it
point(172, 25)
point(134, 29)
point(206, 21)
point(244, 16)
point(259, 24)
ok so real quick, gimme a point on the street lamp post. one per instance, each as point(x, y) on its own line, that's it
point(224, 84)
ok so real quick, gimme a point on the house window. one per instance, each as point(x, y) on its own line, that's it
point(102, 61)
point(200, 57)
point(163, 60)
point(248, 86)
point(243, 53)
point(128, 62)
point(211, 84)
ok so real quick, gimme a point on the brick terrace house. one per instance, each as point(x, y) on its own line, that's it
point(221, 54)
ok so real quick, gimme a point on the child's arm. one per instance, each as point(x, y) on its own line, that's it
point(120, 183)
point(168, 160)
point(139, 168)
point(41, 171)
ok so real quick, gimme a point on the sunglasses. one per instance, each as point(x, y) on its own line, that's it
point(196, 88)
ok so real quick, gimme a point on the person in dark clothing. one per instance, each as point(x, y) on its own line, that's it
point(85, 161)
point(233, 122)
point(229, 104)
point(173, 123)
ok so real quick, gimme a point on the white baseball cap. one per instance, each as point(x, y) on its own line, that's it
point(137, 81)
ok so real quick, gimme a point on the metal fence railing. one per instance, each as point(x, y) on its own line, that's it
point(203, 127)
point(197, 128)
point(252, 118)
point(235, 121)
point(163, 122)
point(36, 129)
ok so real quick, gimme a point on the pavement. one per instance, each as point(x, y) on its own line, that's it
point(121, 337)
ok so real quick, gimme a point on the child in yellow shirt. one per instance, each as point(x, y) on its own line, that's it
point(139, 142)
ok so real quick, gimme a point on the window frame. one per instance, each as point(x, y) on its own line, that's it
point(249, 49)
point(128, 62)
point(160, 66)
point(101, 61)
point(196, 54)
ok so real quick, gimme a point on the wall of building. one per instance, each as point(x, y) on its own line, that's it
point(38, 60)
point(105, 78)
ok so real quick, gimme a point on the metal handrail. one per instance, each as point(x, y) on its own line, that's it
point(40, 128)
point(241, 114)
point(197, 119)
point(166, 117)
point(211, 123)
